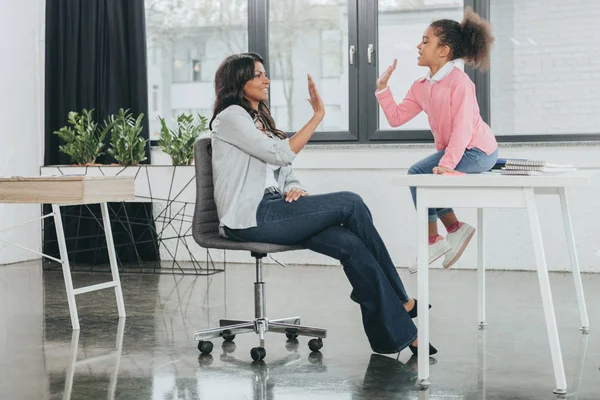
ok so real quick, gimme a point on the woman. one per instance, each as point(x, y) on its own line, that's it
point(259, 199)
point(464, 142)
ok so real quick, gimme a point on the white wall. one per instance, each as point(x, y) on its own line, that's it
point(544, 78)
point(370, 171)
point(21, 113)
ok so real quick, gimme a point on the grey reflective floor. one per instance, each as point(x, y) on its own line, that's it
point(152, 355)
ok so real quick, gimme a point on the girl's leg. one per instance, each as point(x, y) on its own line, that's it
point(460, 234)
point(426, 166)
point(474, 161)
point(438, 246)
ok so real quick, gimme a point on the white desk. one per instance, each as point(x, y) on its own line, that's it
point(72, 190)
point(495, 191)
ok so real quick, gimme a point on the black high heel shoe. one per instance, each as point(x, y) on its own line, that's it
point(415, 349)
point(413, 311)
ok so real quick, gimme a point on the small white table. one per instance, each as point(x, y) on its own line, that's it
point(72, 190)
point(492, 190)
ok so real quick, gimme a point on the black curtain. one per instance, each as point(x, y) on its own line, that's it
point(96, 58)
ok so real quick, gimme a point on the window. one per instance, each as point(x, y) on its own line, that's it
point(187, 63)
point(545, 72)
point(154, 98)
point(279, 113)
point(205, 112)
point(542, 85)
point(307, 36)
point(401, 27)
point(331, 53)
point(334, 117)
point(190, 38)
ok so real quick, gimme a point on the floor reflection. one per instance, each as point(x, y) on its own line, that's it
point(292, 367)
point(152, 354)
point(113, 356)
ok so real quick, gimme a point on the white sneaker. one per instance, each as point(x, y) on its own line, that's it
point(458, 241)
point(436, 251)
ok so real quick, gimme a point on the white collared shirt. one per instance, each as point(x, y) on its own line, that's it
point(444, 71)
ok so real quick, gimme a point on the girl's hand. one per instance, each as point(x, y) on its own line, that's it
point(439, 170)
point(385, 76)
point(294, 194)
point(315, 99)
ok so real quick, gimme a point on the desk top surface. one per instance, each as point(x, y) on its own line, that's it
point(66, 189)
point(578, 178)
point(61, 178)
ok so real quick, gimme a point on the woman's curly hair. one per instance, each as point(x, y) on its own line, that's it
point(470, 39)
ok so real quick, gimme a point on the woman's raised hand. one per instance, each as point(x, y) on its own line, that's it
point(315, 99)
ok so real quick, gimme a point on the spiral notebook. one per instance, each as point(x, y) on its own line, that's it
point(519, 166)
point(521, 163)
point(534, 172)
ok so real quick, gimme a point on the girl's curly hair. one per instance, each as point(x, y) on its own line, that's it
point(470, 39)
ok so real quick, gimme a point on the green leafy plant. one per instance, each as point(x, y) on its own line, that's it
point(178, 143)
point(84, 140)
point(126, 144)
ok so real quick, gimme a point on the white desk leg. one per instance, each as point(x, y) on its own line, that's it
point(112, 256)
point(578, 374)
point(423, 288)
point(64, 257)
point(585, 323)
point(481, 269)
point(482, 368)
point(71, 368)
point(542, 269)
point(112, 387)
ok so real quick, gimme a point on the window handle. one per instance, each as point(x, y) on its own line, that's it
point(370, 53)
point(352, 52)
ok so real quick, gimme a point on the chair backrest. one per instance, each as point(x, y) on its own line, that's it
point(205, 223)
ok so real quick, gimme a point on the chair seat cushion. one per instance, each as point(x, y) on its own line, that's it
point(217, 242)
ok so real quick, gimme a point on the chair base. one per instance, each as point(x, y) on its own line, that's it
point(289, 326)
point(260, 325)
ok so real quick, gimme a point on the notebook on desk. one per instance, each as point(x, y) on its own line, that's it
point(519, 166)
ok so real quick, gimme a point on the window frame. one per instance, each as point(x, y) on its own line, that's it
point(362, 77)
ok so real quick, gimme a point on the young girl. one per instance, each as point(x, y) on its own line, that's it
point(463, 141)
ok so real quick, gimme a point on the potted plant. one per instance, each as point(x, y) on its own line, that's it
point(126, 144)
point(178, 143)
point(84, 140)
point(170, 188)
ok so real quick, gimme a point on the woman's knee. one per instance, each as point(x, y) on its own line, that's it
point(350, 197)
point(337, 242)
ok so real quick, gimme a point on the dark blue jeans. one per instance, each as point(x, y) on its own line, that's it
point(340, 225)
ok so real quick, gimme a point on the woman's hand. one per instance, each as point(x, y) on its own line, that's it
point(294, 194)
point(299, 140)
point(439, 170)
point(385, 76)
point(315, 99)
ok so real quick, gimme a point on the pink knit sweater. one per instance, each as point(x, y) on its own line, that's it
point(453, 113)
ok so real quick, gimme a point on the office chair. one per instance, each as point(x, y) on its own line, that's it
point(205, 231)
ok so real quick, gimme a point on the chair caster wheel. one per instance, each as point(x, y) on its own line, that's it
point(291, 345)
point(205, 347)
point(316, 357)
point(258, 353)
point(291, 336)
point(205, 360)
point(315, 344)
point(227, 336)
point(228, 347)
